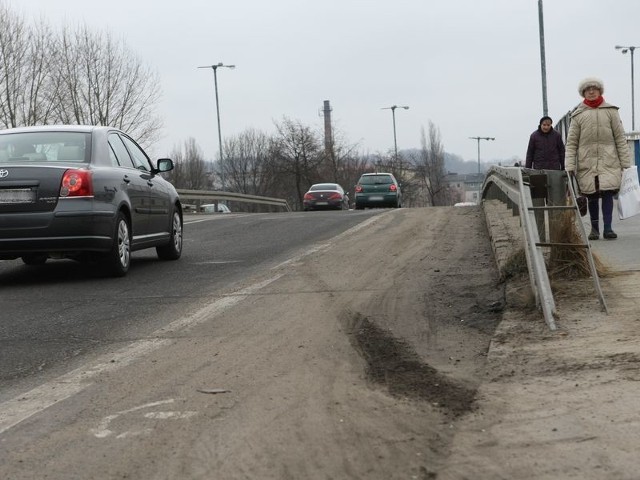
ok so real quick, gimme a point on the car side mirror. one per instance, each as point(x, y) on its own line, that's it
point(164, 165)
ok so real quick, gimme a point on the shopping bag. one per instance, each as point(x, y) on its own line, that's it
point(629, 194)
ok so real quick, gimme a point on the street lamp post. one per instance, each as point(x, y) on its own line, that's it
point(393, 114)
point(215, 82)
point(633, 102)
point(478, 139)
point(543, 62)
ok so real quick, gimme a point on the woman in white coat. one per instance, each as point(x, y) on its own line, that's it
point(596, 153)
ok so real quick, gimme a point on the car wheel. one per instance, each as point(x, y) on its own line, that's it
point(173, 249)
point(118, 260)
point(34, 259)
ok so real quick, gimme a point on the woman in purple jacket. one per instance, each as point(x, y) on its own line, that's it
point(546, 149)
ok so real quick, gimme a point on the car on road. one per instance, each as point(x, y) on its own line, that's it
point(377, 190)
point(213, 208)
point(88, 193)
point(325, 196)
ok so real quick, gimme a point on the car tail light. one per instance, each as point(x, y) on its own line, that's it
point(358, 188)
point(335, 196)
point(392, 188)
point(308, 196)
point(76, 183)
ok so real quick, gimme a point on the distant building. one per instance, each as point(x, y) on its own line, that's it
point(465, 187)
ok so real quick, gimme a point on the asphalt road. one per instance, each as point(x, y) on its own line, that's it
point(55, 317)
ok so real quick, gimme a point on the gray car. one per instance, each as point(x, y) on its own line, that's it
point(87, 193)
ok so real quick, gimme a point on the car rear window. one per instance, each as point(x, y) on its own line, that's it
point(45, 147)
point(375, 179)
point(324, 186)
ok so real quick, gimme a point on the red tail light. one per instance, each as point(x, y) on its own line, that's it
point(358, 188)
point(392, 188)
point(308, 196)
point(335, 196)
point(76, 183)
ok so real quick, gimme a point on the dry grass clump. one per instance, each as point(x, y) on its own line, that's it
point(569, 262)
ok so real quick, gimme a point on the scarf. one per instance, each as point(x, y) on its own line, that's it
point(594, 103)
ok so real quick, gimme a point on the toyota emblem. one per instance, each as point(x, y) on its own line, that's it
point(4, 172)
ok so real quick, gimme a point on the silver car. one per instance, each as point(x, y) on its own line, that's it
point(87, 193)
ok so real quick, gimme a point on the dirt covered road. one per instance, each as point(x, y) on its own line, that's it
point(354, 361)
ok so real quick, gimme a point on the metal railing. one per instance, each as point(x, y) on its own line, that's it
point(214, 196)
point(508, 185)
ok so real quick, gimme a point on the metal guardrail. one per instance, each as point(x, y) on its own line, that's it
point(213, 195)
point(507, 184)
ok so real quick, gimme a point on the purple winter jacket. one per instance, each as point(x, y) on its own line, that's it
point(545, 151)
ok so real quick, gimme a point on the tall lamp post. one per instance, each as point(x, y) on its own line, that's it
point(478, 139)
point(543, 62)
point(215, 82)
point(633, 102)
point(393, 114)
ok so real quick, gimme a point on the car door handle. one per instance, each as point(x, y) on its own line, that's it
point(126, 179)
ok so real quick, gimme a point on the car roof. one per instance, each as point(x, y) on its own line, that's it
point(56, 128)
point(376, 173)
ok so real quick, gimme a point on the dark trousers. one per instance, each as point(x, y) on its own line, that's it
point(607, 209)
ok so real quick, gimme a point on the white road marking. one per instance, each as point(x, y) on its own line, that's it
point(217, 262)
point(103, 428)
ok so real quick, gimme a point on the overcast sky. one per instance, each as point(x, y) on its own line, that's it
point(472, 67)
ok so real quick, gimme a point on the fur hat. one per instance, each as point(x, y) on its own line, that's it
point(590, 82)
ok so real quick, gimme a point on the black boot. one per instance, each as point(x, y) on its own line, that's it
point(608, 232)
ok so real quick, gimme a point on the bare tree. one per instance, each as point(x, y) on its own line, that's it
point(298, 158)
point(247, 162)
point(342, 163)
point(104, 83)
point(190, 168)
point(430, 167)
point(79, 77)
point(25, 85)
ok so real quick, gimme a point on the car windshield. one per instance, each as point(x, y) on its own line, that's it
point(324, 186)
point(375, 179)
point(45, 147)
